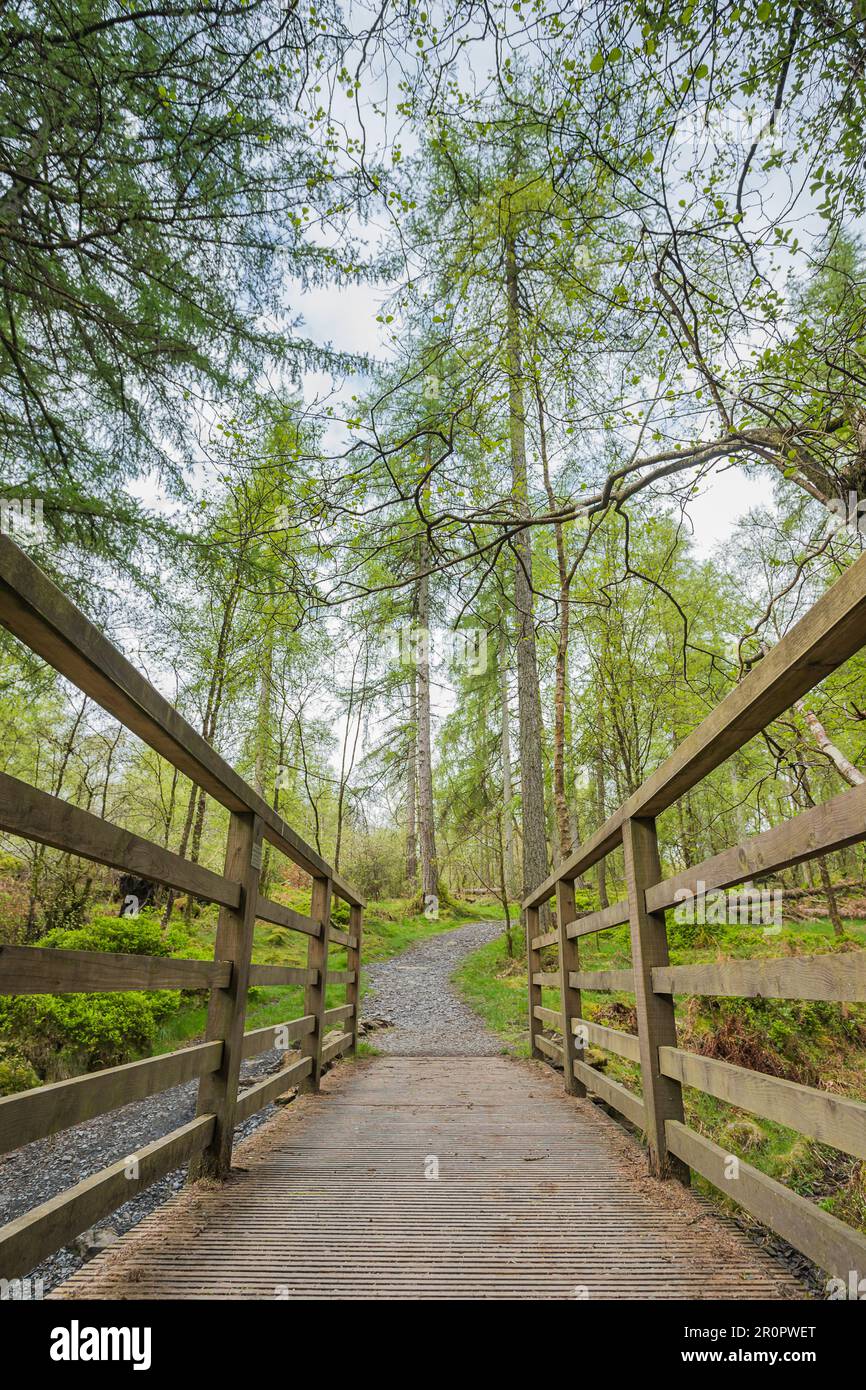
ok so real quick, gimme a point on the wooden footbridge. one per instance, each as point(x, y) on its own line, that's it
point(423, 1177)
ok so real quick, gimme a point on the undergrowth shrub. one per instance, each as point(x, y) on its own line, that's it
point(16, 1073)
point(61, 1034)
point(136, 936)
point(782, 1037)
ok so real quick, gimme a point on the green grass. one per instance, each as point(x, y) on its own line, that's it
point(389, 928)
point(495, 987)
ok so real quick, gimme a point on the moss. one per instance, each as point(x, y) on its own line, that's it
point(16, 1074)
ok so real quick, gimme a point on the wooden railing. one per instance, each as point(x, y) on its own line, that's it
point(832, 631)
point(34, 610)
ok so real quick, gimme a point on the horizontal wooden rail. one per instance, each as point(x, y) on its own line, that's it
point(260, 1040)
point(281, 916)
point(342, 938)
point(553, 1049)
point(834, 824)
point(282, 975)
point(47, 622)
point(837, 976)
point(832, 1245)
point(548, 938)
point(45, 1229)
point(603, 980)
point(611, 1039)
point(44, 970)
point(260, 1095)
point(338, 1013)
point(341, 977)
point(612, 916)
point(828, 1118)
point(821, 642)
point(48, 1109)
point(35, 815)
point(548, 979)
point(552, 1017)
point(613, 1093)
point(335, 1046)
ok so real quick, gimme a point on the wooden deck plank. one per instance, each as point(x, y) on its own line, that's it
point(538, 1196)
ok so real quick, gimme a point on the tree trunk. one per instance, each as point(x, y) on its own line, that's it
point(503, 886)
point(347, 762)
point(830, 895)
point(505, 755)
point(427, 832)
point(560, 800)
point(601, 866)
point(535, 860)
point(263, 745)
point(412, 785)
point(845, 768)
point(211, 724)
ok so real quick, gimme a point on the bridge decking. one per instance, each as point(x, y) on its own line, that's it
point(539, 1196)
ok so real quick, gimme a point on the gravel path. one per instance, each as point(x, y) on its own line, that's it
point(38, 1171)
point(414, 992)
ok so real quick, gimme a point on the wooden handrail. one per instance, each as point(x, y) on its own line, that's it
point(47, 1110)
point(35, 815)
point(822, 641)
point(37, 613)
point(46, 970)
point(832, 631)
point(47, 622)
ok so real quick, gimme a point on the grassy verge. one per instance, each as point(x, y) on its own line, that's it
point(816, 1044)
point(389, 928)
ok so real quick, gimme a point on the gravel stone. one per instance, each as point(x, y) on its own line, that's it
point(38, 1171)
point(414, 990)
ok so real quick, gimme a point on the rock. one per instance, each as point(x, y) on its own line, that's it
point(288, 1097)
point(372, 1025)
point(94, 1241)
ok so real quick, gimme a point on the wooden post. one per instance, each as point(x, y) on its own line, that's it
point(353, 962)
point(218, 1091)
point(314, 994)
point(662, 1096)
point(571, 1007)
point(533, 965)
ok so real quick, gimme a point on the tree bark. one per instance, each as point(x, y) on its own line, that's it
point(560, 800)
point(505, 755)
point(412, 786)
point(845, 768)
point(426, 826)
point(601, 866)
point(535, 859)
